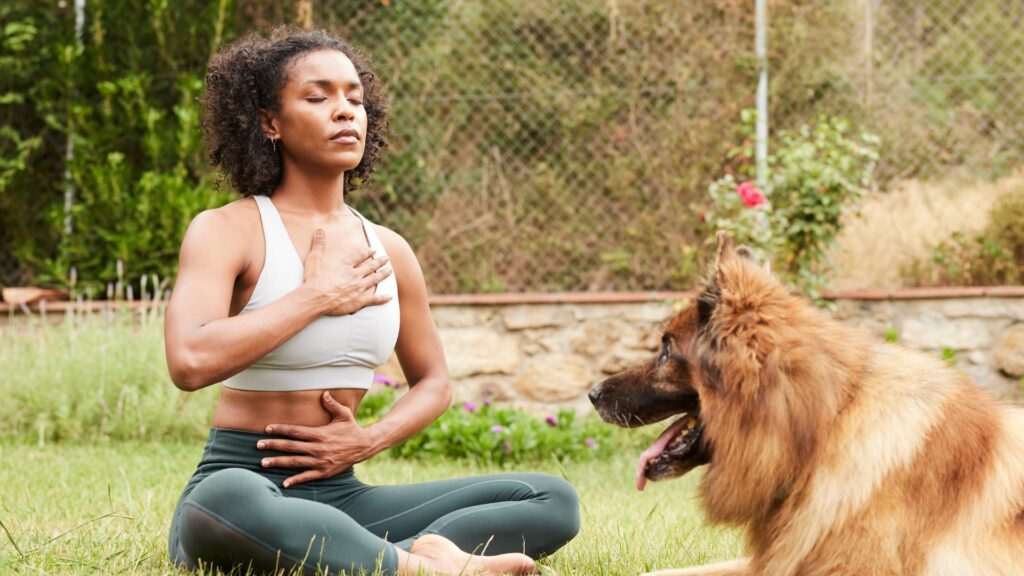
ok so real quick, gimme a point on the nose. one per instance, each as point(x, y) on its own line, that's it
point(595, 394)
point(345, 111)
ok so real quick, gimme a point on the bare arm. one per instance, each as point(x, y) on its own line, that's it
point(203, 344)
point(419, 352)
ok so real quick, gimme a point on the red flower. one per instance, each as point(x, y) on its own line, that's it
point(703, 217)
point(750, 195)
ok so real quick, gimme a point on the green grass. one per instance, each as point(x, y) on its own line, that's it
point(87, 509)
point(96, 444)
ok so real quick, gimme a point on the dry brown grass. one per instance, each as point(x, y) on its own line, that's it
point(897, 226)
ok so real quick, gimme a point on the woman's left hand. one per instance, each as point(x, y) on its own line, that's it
point(322, 450)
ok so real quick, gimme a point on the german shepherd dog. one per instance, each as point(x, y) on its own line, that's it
point(839, 455)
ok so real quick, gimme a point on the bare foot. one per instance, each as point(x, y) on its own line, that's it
point(433, 554)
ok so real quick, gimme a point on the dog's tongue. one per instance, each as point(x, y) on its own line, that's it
point(654, 449)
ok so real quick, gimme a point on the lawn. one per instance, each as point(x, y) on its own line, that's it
point(96, 444)
point(103, 509)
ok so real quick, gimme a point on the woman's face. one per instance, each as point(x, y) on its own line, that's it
point(322, 122)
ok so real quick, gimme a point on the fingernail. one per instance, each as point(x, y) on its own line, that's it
point(287, 484)
point(270, 429)
point(266, 462)
point(261, 444)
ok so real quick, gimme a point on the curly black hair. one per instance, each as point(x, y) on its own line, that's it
point(247, 76)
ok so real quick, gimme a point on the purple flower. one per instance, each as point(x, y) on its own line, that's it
point(469, 406)
point(487, 401)
point(385, 380)
point(506, 447)
point(590, 442)
point(551, 420)
point(497, 429)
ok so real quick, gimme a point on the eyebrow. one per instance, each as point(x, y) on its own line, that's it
point(352, 84)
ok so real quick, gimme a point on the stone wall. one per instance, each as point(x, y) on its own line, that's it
point(546, 354)
point(983, 336)
point(545, 351)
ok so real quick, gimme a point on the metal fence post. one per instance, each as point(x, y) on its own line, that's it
point(761, 49)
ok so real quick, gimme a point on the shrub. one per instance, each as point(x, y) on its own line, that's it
point(993, 256)
point(815, 175)
point(487, 434)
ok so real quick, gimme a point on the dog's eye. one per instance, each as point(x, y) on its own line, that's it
point(665, 343)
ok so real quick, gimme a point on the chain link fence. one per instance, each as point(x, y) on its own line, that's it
point(551, 146)
point(566, 145)
point(547, 146)
point(941, 82)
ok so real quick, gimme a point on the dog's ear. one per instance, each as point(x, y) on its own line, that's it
point(747, 253)
point(725, 248)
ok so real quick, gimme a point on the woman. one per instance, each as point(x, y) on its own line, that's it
point(291, 298)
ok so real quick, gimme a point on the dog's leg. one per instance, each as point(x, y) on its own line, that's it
point(730, 568)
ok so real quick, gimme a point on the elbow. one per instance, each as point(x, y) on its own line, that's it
point(444, 392)
point(188, 374)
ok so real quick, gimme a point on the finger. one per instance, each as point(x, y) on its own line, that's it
point(338, 410)
point(376, 300)
point(376, 277)
point(362, 257)
point(371, 265)
point(317, 249)
point(303, 477)
point(294, 431)
point(285, 445)
point(289, 462)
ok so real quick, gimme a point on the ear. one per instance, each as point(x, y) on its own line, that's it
point(748, 254)
point(725, 248)
point(268, 123)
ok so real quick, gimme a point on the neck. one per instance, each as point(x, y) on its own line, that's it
point(311, 191)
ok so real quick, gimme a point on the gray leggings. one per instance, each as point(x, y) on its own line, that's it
point(235, 513)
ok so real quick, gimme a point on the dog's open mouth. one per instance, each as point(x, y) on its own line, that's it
point(677, 451)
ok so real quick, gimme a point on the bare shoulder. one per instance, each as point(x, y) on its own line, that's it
point(227, 231)
point(229, 220)
point(399, 251)
point(403, 261)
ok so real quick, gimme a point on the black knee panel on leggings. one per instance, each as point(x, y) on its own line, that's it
point(207, 533)
point(208, 540)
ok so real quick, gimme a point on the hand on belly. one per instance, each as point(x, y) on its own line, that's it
point(320, 451)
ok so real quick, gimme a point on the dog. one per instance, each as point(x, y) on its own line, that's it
point(838, 454)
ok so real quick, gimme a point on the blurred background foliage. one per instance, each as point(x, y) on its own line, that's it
point(537, 146)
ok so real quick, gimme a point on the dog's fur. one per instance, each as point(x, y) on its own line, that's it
point(838, 454)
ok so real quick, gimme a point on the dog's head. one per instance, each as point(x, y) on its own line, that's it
point(688, 370)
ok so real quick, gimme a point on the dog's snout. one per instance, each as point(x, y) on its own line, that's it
point(595, 394)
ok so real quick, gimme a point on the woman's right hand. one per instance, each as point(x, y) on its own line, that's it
point(348, 284)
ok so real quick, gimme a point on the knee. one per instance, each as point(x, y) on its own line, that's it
point(225, 517)
point(564, 504)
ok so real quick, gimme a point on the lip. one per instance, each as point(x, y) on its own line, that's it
point(345, 136)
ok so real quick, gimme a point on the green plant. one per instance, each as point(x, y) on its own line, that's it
point(816, 174)
point(491, 435)
point(892, 335)
point(992, 256)
point(949, 356)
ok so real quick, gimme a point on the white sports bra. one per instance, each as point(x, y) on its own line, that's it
point(332, 351)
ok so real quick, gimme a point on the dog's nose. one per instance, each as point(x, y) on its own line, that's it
point(595, 394)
